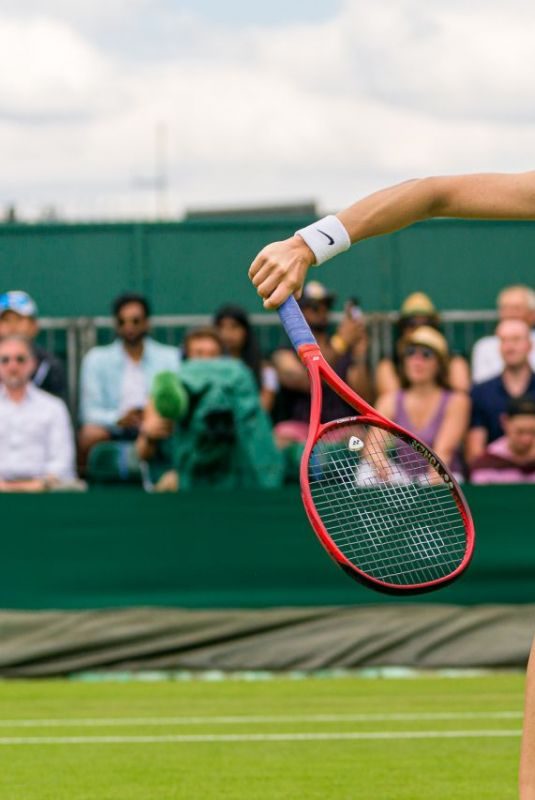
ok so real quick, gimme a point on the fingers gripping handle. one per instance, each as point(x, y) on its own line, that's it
point(295, 324)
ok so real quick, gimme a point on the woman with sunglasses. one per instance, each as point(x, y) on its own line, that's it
point(425, 403)
point(418, 310)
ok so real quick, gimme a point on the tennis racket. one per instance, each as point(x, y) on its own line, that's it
point(383, 505)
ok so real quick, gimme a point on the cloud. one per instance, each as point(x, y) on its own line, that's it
point(48, 72)
point(327, 109)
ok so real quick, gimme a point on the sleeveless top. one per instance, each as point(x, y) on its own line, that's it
point(428, 432)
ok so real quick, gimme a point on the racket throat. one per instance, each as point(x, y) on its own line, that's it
point(308, 353)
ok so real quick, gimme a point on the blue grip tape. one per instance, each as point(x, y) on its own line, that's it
point(295, 324)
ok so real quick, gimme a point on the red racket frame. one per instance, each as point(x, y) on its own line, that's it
point(318, 368)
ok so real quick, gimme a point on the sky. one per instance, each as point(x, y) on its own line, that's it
point(121, 109)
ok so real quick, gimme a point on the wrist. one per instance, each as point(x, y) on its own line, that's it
point(305, 252)
point(325, 238)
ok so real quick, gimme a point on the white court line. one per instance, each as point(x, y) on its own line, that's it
point(259, 737)
point(111, 722)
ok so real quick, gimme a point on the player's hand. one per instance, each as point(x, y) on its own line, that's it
point(280, 269)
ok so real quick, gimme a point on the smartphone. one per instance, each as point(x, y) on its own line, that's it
point(353, 309)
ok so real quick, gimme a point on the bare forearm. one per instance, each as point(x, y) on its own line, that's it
point(484, 196)
point(280, 269)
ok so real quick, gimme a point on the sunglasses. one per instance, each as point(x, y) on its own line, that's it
point(16, 359)
point(122, 321)
point(419, 349)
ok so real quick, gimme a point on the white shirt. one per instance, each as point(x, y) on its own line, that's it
point(36, 437)
point(134, 389)
point(487, 361)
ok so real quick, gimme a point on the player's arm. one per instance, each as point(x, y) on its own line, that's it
point(483, 196)
point(279, 270)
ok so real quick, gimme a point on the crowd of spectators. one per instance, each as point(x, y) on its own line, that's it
point(218, 411)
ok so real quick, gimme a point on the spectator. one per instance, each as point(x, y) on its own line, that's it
point(491, 398)
point(199, 343)
point(425, 404)
point(36, 438)
point(18, 315)
point(202, 342)
point(240, 341)
point(511, 458)
point(223, 436)
point(115, 379)
point(514, 302)
point(346, 353)
point(418, 310)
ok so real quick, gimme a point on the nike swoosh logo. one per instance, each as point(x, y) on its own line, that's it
point(330, 238)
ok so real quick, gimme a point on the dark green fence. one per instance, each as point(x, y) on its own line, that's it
point(192, 267)
point(222, 550)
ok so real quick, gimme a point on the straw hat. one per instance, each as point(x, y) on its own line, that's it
point(418, 304)
point(429, 337)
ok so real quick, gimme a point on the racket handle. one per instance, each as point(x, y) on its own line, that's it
point(295, 324)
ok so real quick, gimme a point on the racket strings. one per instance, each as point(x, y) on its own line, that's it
point(385, 506)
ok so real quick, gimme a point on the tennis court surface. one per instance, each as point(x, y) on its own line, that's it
point(283, 738)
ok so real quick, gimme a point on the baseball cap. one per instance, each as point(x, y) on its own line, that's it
point(19, 302)
point(316, 292)
point(418, 304)
point(428, 337)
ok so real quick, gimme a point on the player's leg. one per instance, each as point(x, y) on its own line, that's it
point(527, 756)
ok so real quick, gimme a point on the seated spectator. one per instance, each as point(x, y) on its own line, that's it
point(115, 379)
point(36, 437)
point(18, 315)
point(425, 404)
point(240, 341)
point(491, 398)
point(202, 342)
point(511, 458)
point(155, 430)
point(345, 351)
point(514, 302)
point(418, 310)
point(222, 435)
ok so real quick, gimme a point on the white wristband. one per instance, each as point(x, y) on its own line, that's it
point(326, 238)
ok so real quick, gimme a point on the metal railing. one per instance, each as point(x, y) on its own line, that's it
point(71, 337)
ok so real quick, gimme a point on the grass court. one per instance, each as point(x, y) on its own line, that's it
point(338, 738)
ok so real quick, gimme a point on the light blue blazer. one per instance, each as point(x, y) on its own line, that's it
point(101, 376)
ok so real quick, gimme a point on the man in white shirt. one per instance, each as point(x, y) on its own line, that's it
point(36, 437)
point(514, 302)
